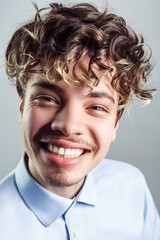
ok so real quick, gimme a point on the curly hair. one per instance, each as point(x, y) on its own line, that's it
point(65, 34)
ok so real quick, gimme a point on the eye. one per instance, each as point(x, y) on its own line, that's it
point(98, 111)
point(46, 100)
point(98, 108)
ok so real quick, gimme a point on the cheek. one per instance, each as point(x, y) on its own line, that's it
point(104, 133)
point(33, 119)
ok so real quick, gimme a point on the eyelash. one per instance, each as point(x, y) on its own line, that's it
point(98, 108)
point(47, 98)
point(44, 99)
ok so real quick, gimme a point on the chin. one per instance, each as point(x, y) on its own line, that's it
point(61, 180)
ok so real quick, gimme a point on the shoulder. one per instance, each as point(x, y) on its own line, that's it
point(113, 167)
point(12, 205)
point(123, 192)
point(120, 174)
point(7, 182)
point(122, 182)
point(8, 190)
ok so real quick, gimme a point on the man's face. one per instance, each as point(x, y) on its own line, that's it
point(67, 130)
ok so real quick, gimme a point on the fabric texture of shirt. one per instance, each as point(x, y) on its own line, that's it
point(113, 204)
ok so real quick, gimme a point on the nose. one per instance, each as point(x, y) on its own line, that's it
point(69, 121)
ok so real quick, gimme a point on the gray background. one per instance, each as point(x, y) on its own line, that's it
point(138, 138)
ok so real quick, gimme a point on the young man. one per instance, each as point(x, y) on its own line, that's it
point(75, 70)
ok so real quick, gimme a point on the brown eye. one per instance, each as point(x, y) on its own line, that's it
point(98, 108)
point(46, 100)
point(97, 111)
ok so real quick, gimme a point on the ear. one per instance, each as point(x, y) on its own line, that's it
point(21, 108)
point(115, 130)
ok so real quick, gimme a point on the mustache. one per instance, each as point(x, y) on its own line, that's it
point(58, 136)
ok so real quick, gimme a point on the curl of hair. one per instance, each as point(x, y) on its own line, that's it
point(64, 35)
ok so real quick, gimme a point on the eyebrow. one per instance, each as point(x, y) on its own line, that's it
point(48, 86)
point(59, 90)
point(101, 94)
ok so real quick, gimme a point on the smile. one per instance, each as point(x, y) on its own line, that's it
point(64, 152)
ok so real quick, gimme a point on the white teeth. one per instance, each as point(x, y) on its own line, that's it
point(77, 151)
point(65, 153)
point(61, 151)
point(73, 151)
point(50, 148)
point(55, 149)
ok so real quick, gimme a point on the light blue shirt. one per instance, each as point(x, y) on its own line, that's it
point(114, 204)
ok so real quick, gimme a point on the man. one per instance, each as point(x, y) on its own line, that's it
point(75, 70)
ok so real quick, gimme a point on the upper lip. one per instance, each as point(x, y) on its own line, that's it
point(65, 144)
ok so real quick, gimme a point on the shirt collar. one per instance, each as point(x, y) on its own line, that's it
point(45, 205)
point(88, 194)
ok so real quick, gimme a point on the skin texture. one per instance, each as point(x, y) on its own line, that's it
point(69, 116)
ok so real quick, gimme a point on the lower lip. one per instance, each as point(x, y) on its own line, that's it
point(63, 162)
